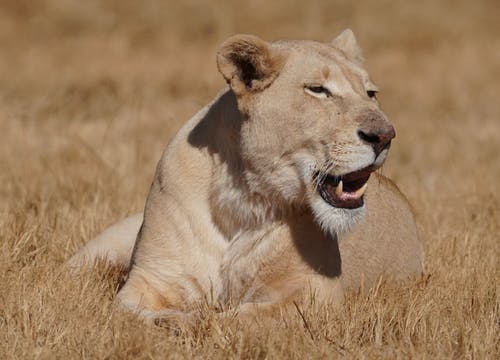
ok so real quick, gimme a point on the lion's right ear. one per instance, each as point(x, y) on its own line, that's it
point(346, 42)
point(248, 63)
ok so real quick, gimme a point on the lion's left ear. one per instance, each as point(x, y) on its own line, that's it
point(346, 42)
point(248, 63)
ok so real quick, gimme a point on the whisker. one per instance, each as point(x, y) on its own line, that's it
point(322, 173)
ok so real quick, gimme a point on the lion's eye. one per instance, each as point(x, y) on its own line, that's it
point(372, 94)
point(317, 90)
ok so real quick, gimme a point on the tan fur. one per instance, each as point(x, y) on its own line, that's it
point(234, 216)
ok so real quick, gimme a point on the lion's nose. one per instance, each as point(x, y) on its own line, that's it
point(379, 138)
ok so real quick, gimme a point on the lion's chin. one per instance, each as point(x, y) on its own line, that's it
point(335, 220)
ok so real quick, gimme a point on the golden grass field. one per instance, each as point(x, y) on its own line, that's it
point(90, 93)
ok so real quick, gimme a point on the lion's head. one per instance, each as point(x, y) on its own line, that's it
point(313, 131)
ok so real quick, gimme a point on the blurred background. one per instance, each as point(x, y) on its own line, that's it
point(91, 91)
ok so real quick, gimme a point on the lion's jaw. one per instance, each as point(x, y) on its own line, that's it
point(309, 126)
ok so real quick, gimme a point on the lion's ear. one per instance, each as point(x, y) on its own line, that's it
point(346, 42)
point(248, 64)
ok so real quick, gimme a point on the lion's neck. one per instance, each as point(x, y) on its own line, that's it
point(235, 208)
point(235, 205)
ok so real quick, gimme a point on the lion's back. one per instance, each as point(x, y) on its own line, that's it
point(385, 242)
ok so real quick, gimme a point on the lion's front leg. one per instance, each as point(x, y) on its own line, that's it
point(317, 293)
point(176, 258)
point(278, 263)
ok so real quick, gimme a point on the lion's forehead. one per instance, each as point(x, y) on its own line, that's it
point(320, 63)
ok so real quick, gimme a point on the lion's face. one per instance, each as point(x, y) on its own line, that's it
point(313, 131)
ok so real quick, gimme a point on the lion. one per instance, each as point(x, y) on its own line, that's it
point(270, 192)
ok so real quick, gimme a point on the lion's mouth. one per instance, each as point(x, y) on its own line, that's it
point(344, 191)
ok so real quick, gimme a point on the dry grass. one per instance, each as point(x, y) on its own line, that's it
point(92, 90)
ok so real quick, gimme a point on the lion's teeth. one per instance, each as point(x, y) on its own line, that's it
point(339, 189)
point(360, 191)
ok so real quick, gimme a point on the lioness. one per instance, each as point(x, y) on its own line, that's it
point(269, 192)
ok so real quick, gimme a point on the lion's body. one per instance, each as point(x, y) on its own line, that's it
point(233, 214)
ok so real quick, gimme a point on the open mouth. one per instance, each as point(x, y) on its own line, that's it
point(344, 191)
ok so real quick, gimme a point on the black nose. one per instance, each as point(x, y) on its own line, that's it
point(379, 138)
